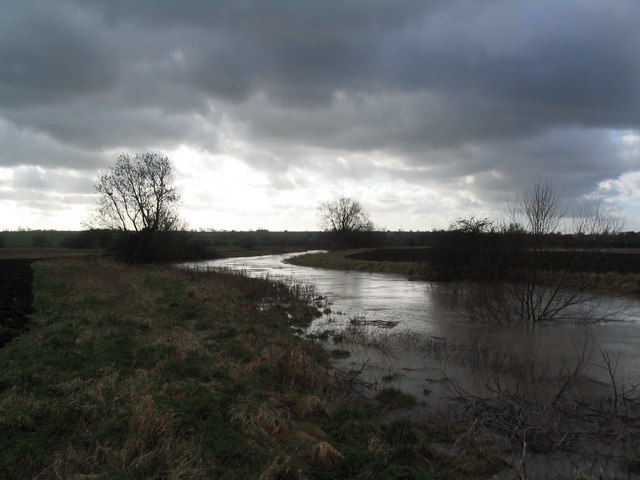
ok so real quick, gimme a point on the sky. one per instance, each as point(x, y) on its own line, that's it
point(424, 111)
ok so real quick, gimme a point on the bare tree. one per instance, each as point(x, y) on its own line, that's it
point(344, 218)
point(137, 194)
point(539, 210)
point(590, 219)
point(518, 279)
point(137, 197)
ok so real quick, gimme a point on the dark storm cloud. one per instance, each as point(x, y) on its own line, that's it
point(499, 90)
point(89, 126)
point(51, 52)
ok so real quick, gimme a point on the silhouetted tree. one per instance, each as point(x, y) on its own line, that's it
point(347, 221)
point(138, 199)
point(459, 247)
point(518, 274)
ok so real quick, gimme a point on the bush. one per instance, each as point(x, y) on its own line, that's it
point(89, 239)
point(159, 247)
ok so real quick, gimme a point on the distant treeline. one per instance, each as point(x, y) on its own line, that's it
point(206, 243)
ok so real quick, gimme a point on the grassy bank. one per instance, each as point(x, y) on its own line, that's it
point(339, 260)
point(370, 260)
point(235, 251)
point(143, 373)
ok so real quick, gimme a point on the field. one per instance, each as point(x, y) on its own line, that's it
point(208, 245)
point(615, 271)
point(598, 262)
point(30, 238)
point(155, 372)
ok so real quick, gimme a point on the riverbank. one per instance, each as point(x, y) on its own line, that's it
point(617, 274)
point(345, 260)
point(234, 252)
point(155, 372)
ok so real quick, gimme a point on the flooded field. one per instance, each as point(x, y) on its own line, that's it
point(414, 332)
point(389, 332)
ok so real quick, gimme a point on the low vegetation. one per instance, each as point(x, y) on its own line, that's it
point(348, 260)
point(609, 271)
point(149, 372)
point(182, 246)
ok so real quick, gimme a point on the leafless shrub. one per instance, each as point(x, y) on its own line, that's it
point(593, 434)
point(510, 281)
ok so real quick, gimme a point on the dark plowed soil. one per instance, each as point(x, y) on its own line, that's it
point(15, 297)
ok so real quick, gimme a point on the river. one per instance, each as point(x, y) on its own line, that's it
point(409, 335)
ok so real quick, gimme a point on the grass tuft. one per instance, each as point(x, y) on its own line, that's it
point(323, 454)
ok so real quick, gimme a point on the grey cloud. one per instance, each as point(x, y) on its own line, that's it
point(89, 126)
point(25, 146)
point(499, 69)
point(51, 52)
point(38, 179)
point(499, 90)
point(34, 184)
point(562, 152)
point(540, 54)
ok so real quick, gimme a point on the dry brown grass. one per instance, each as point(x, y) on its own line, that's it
point(183, 340)
point(323, 454)
point(269, 417)
point(311, 406)
point(377, 446)
point(283, 468)
point(295, 365)
point(149, 438)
